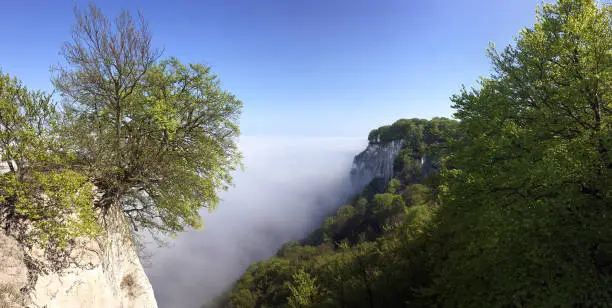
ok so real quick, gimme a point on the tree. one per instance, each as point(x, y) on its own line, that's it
point(158, 139)
point(524, 221)
point(263, 284)
point(418, 194)
point(304, 291)
point(361, 205)
point(42, 201)
point(386, 205)
point(26, 122)
point(393, 186)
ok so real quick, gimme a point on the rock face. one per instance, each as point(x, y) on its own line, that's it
point(376, 161)
point(104, 273)
point(14, 273)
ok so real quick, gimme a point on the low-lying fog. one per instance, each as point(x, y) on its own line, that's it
point(288, 185)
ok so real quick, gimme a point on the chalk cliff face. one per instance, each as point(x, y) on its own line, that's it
point(376, 161)
point(104, 272)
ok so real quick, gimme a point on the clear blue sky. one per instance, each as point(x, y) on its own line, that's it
point(301, 67)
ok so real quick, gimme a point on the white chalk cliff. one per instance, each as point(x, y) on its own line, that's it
point(376, 161)
point(104, 273)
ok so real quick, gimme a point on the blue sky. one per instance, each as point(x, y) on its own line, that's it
point(302, 68)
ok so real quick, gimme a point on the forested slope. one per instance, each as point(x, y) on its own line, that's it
point(363, 255)
point(515, 206)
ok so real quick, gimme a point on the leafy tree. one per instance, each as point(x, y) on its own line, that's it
point(403, 260)
point(524, 219)
point(376, 185)
point(295, 251)
point(386, 205)
point(27, 123)
point(58, 207)
point(418, 194)
point(157, 139)
point(264, 283)
point(408, 166)
point(361, 205)
point(304, 291)
point(345, 213)
point(393, 186)
point(42, 201)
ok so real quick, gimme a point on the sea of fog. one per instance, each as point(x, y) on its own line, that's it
point(288, 185)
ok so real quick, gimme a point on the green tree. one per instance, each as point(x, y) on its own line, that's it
point(304, 291)
point(263, 284)
point(394, 186)
point(386, 205)
point(28, 121)
point(418, 194)
point(361, 205)
point(42, 201)
point(157, 139)
point(524, 220)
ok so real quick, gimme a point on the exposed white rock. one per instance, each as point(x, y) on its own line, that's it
point(108, 273)
point(376, 161)
point(13, 272)
point(4, 167)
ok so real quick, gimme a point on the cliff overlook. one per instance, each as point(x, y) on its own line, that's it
point(127, 143)
point(509, 206)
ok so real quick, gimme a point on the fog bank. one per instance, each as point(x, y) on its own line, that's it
point(288, 185)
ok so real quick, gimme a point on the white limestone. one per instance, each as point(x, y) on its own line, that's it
point(376, 161)
point(108, 273)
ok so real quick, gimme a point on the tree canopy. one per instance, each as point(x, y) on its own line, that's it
point(514, 208)
point(154, 138)
point(38, 166)
point(531, 187)
point(158, 138)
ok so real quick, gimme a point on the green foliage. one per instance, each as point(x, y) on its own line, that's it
point(361, 205)
point(295, 251)
point(376, 186)
point(416, 133)
point(394, 186)
point(524, 220)
point(425, 143)
point(345, 213)
point(154, 139)
point(362, 275)
point(263, 282)
point(58, 205)
point(386, 205)
point(28, 122)
point(519, 214)
point(158, 138)
point(38, 189)
point(418, 194)
point(369, 254)
point(408, 165)
point(304, 291)
point(410, 130)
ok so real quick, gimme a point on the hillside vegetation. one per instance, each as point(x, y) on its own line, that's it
point(514, 210)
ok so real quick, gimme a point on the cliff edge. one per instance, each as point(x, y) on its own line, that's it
point(103, 272)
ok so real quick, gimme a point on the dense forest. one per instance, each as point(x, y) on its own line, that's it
point(509, 206)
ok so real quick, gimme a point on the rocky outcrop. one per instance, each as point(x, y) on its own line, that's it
point(107, 273)
point(376, 161)
point(104, 272)
point(13, 273)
